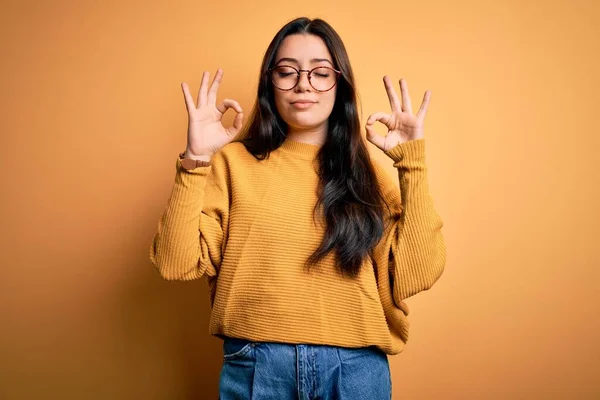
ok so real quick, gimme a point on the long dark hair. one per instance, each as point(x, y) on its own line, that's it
point(349, 194)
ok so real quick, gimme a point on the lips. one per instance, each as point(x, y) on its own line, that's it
point(302, 104)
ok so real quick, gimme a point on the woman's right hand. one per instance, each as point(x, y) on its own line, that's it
point(206, 134)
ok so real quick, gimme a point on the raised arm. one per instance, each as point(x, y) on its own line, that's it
point(413, 242)
point(192, 231)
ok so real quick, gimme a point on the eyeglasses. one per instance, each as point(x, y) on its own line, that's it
point(286, 77)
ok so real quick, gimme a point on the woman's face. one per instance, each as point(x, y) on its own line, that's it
point(303, 51)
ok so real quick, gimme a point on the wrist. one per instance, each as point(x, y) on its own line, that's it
point(197, 157)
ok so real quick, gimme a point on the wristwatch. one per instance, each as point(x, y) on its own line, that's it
point(189, 163)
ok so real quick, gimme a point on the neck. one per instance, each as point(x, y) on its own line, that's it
point(315, 135)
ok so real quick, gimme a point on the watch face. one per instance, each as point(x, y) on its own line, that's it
point(188, 163)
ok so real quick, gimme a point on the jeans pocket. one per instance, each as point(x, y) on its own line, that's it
point(236, 348)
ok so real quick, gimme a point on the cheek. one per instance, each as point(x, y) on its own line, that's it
point(282, 103)
point(329, 100)
point(326, 103)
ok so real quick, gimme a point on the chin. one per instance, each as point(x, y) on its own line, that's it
point(304, 121)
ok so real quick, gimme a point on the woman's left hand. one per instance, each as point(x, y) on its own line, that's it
point(402, 124)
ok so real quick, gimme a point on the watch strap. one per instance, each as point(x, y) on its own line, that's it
point(189, 163)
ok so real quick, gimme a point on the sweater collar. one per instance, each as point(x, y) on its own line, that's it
point(303, 150)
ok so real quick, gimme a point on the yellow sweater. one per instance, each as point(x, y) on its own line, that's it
point(248, 226)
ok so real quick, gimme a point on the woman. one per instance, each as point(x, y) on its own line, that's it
point(309, 248)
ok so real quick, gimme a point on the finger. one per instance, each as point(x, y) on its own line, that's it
point(202, 93)
point(237, 121)
point(214, 87)
point(237, 124)
point(379, 116)
point(406, 106)
point(394, 100)
point(228, 103)
point(372, 135)
point(423, 109)
point(189, 101)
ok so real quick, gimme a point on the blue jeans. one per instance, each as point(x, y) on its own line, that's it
point(281, 371)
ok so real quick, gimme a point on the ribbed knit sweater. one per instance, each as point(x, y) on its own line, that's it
point(248, 226)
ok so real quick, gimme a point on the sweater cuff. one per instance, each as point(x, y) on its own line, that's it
point(408, 152)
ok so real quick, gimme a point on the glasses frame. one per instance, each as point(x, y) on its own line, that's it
point(310, 71)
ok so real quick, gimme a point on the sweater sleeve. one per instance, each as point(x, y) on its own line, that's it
point(191, 233)
point(413, 242)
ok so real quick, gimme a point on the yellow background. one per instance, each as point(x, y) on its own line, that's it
point(92, 118)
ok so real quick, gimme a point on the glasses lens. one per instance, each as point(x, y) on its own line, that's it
point(323, 78)
point(284, 77)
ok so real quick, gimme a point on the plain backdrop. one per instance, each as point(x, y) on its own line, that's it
point(92, 118)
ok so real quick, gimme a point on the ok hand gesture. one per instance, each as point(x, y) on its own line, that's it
point(206, 134)
point(402, 124)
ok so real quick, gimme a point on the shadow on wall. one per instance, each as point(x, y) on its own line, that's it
point(164, 328)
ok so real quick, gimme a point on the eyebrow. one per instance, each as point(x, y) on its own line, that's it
point(313, 60)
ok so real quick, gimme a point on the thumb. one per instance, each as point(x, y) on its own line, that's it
point(374, 137)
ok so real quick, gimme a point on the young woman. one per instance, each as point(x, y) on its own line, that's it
point(309, 248)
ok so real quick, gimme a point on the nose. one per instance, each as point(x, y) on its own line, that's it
point(303, 82)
